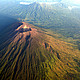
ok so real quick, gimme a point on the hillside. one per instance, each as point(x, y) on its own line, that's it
point(57, 17)
point(35, 55)
point(47, 16)
point(6, 21)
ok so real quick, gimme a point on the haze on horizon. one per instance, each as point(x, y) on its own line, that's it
point(75, 2)
point(65, 1)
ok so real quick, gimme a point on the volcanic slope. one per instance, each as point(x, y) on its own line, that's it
point(29, 53)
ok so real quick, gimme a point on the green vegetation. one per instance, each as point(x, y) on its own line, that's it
point(50, 51)
point(38, 57)
point(55, 17)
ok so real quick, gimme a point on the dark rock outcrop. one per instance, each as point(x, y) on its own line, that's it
point(21, 30)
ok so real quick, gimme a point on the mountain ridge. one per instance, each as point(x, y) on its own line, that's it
point(36, 55)
point(38, 52)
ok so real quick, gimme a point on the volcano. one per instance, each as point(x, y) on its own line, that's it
point(23, 28)
point(31, 53)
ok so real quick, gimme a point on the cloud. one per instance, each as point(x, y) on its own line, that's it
point(49, 3)
point(25, 3)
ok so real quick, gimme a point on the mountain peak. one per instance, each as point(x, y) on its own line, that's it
point(24, 28)
point(35, 3)
point(36, 53)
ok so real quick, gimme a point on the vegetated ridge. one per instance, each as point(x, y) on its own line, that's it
point(29, 53)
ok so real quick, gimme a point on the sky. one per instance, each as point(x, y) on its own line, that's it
point(76, 1)
point(68, 1)
point(72, 1)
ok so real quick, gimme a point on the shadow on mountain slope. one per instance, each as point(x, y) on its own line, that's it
point(6, 30)
point(6, 21)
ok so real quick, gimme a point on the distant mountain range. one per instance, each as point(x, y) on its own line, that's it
point(58, 15)
point(54, 17)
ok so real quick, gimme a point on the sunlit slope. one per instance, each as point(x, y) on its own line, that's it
point(35, 55)
point(61, 18)
point(48, 16)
